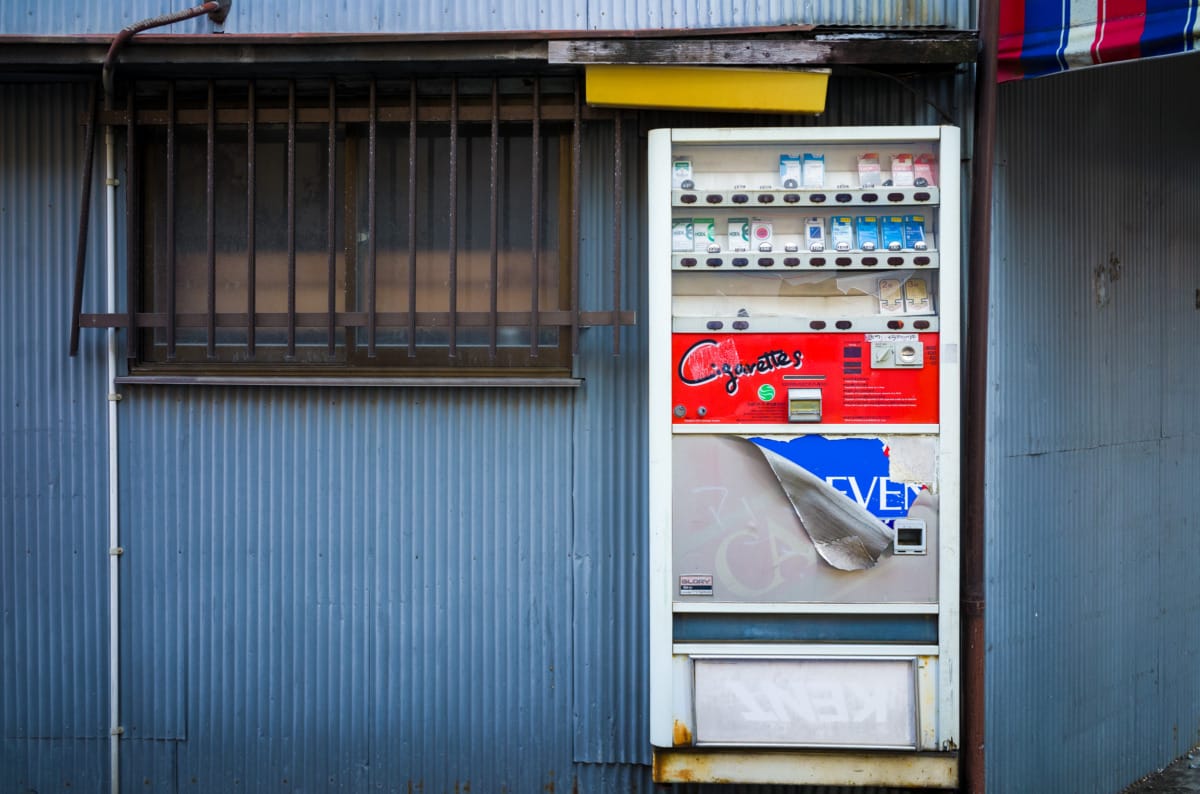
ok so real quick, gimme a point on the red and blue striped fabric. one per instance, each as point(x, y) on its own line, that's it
point(1039, 37)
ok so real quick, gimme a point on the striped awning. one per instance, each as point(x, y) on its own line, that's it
point(1040, 37)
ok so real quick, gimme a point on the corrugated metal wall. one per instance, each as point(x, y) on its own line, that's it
point(53, 499)
point(59, 17)
point(1093, 622)
point(328, 589)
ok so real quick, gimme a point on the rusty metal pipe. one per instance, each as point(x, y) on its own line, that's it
point(974, 772)
point(85, 212)
point(217, 10)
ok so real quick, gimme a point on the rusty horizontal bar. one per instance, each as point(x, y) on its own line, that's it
point(336, 378)
point(552, 318)
point(554, 108)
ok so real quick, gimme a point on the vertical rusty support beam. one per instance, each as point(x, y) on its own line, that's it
point(331, 216)
point(133, 229)
point(618, 211)
point(291, 220)
point(210, 165)
point(974, 594)
point(171, 221)
point(494, 219)
point(535, 239)
point(85, 213)
point(576, 177)
point(372, 130)
point(251, 258)
point(453, 200)
point(412, 218)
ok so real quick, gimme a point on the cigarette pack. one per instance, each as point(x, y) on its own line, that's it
point(868, 170)
point(704, 233)
point(789, 171)
point(866, 229)
point(814, 234)
point(681, 171)
point(739, 234)
point(891, 230)
point(682, 234)
point(761, 233)
point(841, 232)
point(902, 170)
point(925, 170)
point(814, 170)
point(914, 232)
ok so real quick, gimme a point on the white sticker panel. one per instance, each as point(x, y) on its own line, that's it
point(806, 702)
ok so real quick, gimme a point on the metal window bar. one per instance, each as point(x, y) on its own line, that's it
point(576, 172)
point(171, 308)
point(494, 218)
point(535, 241)
point(453, 202)
point(618, 210)
point(331, 219)
point(372, 319)
point(291, 221)
point(494, 112)
point(210, 144)
point(133, 230)
point(251, 198)
point(412, 219)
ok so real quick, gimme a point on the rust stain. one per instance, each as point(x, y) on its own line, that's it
point(682, 737)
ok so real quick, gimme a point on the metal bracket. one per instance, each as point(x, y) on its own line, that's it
point(118, 731)
point(116, 551)
point(112, 182)
point(218, 16)
point(114, 397)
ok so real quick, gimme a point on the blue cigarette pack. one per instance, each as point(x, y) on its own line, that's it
point(866, 228)
point(914, 232)
point(891, 229)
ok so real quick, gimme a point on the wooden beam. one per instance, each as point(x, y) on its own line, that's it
point(869, 50)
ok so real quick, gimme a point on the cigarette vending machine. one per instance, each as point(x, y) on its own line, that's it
point(804, 455)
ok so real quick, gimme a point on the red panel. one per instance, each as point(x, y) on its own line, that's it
point(744, 379)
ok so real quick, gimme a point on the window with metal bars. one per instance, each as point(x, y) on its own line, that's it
point(354, 227)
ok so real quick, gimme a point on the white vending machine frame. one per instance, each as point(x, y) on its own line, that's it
point(676, 666)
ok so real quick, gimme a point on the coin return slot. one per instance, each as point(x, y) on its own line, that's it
point(804, 405)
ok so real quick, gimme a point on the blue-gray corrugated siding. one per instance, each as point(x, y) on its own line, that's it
point(60, 17)
point(1093, 619)
point(327, 589)
point(53, 498)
